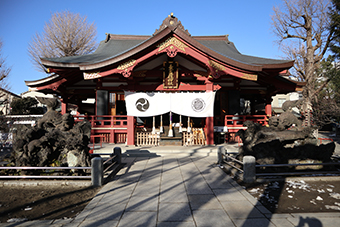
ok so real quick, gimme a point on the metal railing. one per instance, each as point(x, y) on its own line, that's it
point(44, 176)
point(97, 171)
point(249, 166)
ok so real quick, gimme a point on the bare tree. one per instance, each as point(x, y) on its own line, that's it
point(4, 69)
point(305, 23)
point(4, 73)
point(66, 34)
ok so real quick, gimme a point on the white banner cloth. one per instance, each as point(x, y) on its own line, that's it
point(140, 104)
point(193, 104)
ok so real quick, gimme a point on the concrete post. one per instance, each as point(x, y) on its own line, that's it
point(249, 169)
point(117, 152)
point(221, 152)
point(97, 171)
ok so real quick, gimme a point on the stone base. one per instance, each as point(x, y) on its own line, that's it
point(170, 141)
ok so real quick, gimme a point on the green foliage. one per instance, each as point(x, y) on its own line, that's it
point(25, 106)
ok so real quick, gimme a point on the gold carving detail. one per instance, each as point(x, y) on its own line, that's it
point(216, 65)
point(126, 64)
point(172, 41)
point(247, 76)
point(90, 76)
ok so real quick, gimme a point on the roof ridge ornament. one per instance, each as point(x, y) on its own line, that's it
point(227, 38)
point(173, 23)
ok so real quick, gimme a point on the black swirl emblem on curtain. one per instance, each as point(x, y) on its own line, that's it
point(142, 104)
point(198, 104)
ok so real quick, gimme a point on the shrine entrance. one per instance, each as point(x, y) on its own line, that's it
point(170, 129)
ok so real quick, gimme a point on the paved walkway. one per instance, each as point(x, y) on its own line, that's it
point(165, 187)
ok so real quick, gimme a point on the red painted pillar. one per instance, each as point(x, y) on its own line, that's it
point(130, 130)
point(268, 110)
point(209, 121)
point(63, 107)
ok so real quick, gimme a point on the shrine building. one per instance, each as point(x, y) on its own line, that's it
point(167, 88)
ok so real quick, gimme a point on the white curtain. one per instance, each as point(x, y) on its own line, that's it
point(140, 104)
point(193, 104)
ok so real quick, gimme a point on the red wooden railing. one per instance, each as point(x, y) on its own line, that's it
point(238, 120)
point(235, 123)
point(113, 128)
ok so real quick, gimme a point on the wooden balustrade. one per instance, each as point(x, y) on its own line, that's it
point(112, 127)
point(147, 139)
point(196, 137)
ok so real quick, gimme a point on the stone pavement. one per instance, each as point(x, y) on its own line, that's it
point(167, 187)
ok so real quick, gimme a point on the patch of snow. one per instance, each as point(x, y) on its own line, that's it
point(313, 202)
point(290, 196)
point(332, 207)
point(16, 220)
point(300, 185)
point(329, 189)
point(334, 195)
point(319, 198)
point(321, 191)
point(254, 190)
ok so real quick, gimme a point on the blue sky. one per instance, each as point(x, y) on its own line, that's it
point(247, 22)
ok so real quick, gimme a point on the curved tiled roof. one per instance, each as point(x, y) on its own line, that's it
point(106, 50)
point(229, 50)
point(118, 47)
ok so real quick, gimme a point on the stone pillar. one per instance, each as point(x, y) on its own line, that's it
point(102, 102)
point(221, 153)
point(117, 152)
point(97, 172)
point(249, 169)
point(130, 130)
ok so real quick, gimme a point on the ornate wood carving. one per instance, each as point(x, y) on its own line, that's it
point(171, 46)
point(90, 76)
point(247, 76)
point(127, 67)
point(173, 23)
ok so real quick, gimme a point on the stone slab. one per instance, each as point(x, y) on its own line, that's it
point(145, 219)
point(241, 210)
point(204, 202)
point(216, 218)
point(174, 212)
